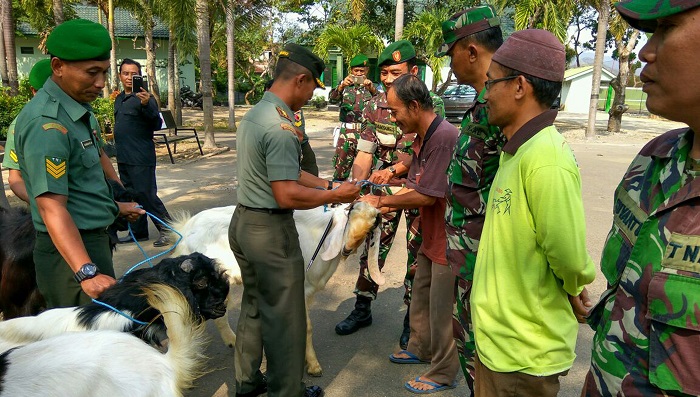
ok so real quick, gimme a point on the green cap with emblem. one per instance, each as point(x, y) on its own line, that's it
point(40, 72)
point(465, 23)
point(643, 14)
point(79, 40)
point(359, 60)
point(396, 53)
point(304, 57)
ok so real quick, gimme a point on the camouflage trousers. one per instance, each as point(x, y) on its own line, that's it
point(345, 153)
point(390, 223)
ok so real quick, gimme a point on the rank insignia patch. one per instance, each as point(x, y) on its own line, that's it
point(55, 126)
point(55, 166)
point(283, 114)
point(13, 156)
point(293, 130)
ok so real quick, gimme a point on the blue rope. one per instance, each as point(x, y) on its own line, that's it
point(148, 259)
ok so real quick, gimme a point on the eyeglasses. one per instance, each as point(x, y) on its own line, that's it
point(489, 83)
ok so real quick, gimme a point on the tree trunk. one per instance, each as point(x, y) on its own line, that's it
point(3, 60)
point(398, 27)
point(176, 87)
point(171, 70)
point(230, 58)
point(619, 83)
point(114, 78)
point(603, 17)
point(151, 60)
point(204, 52)
point(8, 35)
point(58, 12)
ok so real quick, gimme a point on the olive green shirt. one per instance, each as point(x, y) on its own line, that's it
point(58, 148)
point(10, 159)
point(269, 149)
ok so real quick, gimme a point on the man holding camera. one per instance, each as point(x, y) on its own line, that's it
point(352, 94)
point(136, 117)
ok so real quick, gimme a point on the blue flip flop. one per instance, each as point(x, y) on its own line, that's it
point(436, 387)
point(412, 358)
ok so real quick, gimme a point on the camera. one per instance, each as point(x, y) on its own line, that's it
point(358, 80)
point(137, 82)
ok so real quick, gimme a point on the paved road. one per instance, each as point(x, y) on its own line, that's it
point(357, 365)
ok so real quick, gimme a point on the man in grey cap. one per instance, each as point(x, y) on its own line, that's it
point(263, 236)
point(60, 158)
point(525, 275)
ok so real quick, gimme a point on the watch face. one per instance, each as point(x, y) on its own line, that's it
point(89, 269)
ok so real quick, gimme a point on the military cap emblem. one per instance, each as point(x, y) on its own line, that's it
point(55, 166)
point(396, 55)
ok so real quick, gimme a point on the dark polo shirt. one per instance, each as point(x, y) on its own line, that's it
point(427, 176)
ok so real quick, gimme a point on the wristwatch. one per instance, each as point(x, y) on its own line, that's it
point(86, 272)
point(392, 169)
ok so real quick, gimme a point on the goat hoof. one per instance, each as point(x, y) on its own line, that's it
point(315, 371)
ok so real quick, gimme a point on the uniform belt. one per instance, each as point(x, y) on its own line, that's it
point(271, 211)
point(351, 126)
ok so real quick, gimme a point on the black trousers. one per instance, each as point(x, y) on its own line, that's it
point(142, 180)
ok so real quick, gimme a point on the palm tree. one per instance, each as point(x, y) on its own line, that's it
point(351, 41)
point(58, 12)
point(231, 63)
point(603, 16)
point(204, 50)
point(8, 36)
point(551, 15)
point(425, 33)
point(398, 26)
point(625, 41)
point(3, 61)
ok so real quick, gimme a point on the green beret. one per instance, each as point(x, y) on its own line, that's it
point(79, 40)
point(465, 23)
point(397, 52)
point(359, 60)
point(305, 58)
point(642, 14)
point(41, 71)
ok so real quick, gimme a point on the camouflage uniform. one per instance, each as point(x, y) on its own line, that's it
point(470, 174)
point(647, 322)
point(376, 118)
point(352, 102)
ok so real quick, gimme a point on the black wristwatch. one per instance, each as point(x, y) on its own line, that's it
point(392, 169)
point(87, 271)
point(330, 185)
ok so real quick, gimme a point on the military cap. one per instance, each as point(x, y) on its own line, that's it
point(643, 14)
point(79, 40)
point(306, 58)
point(359, 60)
point(40, 72)
point(535, 52)
point(397, 52)
point(465, 23)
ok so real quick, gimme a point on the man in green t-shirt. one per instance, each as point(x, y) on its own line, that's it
point(59, 154)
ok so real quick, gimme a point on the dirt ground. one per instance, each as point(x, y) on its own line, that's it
point(357, 365)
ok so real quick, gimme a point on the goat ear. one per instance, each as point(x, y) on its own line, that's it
point(187, 265)
point(373, 257)
point(334, 241)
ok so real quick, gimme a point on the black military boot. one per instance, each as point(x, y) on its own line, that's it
point(360, 317)
point(406, 333)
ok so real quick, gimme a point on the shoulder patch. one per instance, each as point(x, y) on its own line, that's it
point(297, 119)
point(55, 166)
point(283, 114)
point(55, 126)
point(293, 130)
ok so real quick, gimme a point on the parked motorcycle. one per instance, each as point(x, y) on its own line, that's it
point(188, 98)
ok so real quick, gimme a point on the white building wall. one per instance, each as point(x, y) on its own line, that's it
point(578, 96)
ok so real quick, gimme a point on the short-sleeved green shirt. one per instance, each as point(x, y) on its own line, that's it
point(58, 148)
point(10, 159)
point(269, 149)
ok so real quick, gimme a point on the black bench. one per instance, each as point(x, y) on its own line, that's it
point(172, 135)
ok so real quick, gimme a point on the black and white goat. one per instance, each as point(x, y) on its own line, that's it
point(111, 363)
point(207, 232)
point(204, 286)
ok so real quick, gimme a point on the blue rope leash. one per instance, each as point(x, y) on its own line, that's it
point(148, 259)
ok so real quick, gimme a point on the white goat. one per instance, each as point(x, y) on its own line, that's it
point(207, 232)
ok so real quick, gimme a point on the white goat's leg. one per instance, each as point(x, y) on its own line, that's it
point(223, 325)
point(313, 367)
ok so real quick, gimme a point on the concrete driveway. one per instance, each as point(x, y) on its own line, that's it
point(357, 365)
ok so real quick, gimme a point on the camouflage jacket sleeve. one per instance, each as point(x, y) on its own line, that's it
point(438, 105)
point(646, 323)
point(368, 138)
point(335, 96)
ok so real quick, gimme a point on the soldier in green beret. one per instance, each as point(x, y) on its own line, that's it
point(61, 162)
point(647, 323)
point(263, 236)
point(471, 37)
point(352, 93)
point(384, 156)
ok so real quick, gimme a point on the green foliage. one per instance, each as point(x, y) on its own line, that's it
point(10, 105)
point(425, 32)
point(104, 112)
point(319, 102)
point(351, 41)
